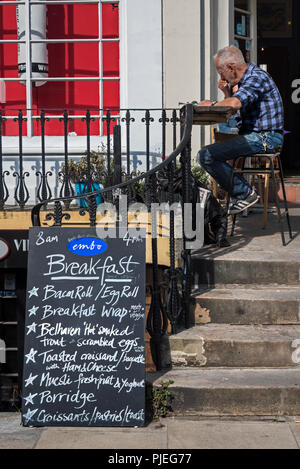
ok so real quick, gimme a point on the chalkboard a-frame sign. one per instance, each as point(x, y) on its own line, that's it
point(84, 357)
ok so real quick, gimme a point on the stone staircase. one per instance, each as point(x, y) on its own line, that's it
point(242, 355)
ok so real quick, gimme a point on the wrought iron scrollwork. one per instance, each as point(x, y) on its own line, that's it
point(147, 119)
point(44, 191)
point(185, 160)
point(174, 306)
point(58, 214)
point(4, 194)
point(163, 120)
point(66, 188)
point(21, 191)
point(166, 301)
point(108, 119)
point(89, 173)
point(173, 298)
point(174, 120)
point(128, 119)
point(157, 319)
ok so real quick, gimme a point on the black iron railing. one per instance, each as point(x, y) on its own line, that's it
point(23, 185)
point(170, 300)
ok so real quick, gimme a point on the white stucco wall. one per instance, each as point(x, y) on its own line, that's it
point(141, 65)
point(193, 31)
point(182, 55)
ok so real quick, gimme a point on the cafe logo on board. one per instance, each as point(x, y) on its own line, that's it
point(87, 246)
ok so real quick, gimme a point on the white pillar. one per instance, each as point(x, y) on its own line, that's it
point(182, 56)
point(141, 64)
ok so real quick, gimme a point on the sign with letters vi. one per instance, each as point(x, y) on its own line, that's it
point(84, 358)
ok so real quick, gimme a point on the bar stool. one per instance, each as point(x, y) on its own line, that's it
point(267, 164)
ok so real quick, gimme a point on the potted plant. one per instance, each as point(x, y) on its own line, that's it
point(200, 175)
point(87, 175)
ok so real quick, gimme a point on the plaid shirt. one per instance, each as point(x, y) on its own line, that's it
point(262, 107)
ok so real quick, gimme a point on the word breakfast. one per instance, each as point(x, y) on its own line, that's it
point(92, 270)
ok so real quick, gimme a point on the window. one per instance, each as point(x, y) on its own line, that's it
point(59, 55)
point(244, 37)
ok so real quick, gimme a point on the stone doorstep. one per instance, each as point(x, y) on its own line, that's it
point(217, 345)
point(245, 268)
point(247, 304)
point(232, 391)
point(292, 189)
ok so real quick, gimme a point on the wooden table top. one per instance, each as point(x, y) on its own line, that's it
point(208, 115)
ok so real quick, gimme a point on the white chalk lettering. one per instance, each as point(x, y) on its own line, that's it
point(53, 342)
point(57, 357)
point(102, 342)
point(77, 293)
point(119, 313)
point(49, 239)
point(113, 331)
point(58, 417)
point(101, 380)
point(77, 398)
point(88, 368)
point(48, 380)
point(58, 329)
point(112, 295)
point(58, 265)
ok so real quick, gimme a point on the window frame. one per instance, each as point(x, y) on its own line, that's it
point(252, 14)
point(29, 41)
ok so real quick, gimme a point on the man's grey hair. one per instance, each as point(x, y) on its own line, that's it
point(230, 55)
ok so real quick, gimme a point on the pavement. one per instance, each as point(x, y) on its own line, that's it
point(250, 240)
point(170, 433)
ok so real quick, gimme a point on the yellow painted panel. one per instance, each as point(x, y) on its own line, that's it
point(13, 220)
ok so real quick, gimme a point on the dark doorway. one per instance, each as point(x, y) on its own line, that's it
point(12, 316)
point(278, 48)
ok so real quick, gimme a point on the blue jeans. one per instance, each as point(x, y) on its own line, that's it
point(213, 158)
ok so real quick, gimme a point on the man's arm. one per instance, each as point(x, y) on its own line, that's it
point(233, 102)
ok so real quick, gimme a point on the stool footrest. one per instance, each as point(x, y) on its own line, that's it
point(263, 155)
point(255, 171)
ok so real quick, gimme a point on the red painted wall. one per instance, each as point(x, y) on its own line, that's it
point(79, 60)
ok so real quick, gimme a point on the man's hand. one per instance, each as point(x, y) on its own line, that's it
point(206, 102)
point(223, 85)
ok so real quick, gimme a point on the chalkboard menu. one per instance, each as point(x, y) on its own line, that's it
point(84, 358)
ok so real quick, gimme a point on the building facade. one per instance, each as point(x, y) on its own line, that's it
point(104, 54)
point(72, 55)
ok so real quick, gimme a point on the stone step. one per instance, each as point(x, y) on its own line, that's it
point(247, 304)
point(218, 345)
point(245, 267)
point(232, 391)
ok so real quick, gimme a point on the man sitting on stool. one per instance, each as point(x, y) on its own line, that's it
point(260, 119)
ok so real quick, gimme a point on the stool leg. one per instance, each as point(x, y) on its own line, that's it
point(233, 225)
point(277, 202)
point(214, 187)
point(228, 197)
point(284, 197)
point(266, 197)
